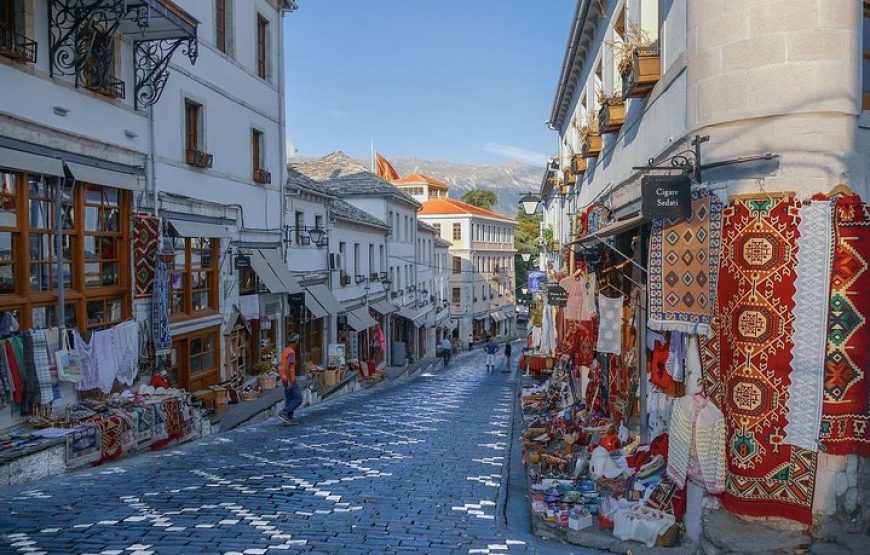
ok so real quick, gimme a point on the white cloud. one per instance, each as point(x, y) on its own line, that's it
point(516, 153)
point(337, 114)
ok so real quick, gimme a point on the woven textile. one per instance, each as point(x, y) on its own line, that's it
point(609, 324)
point(125, 337)
point(144, 418)
point(669, 497)
point(146, 239)
point(174, 420)
point(111, 438)
point(87, 362)
point(711, 372)
point(42, 367)
point(766, 476)
point(158, 424)
point(812, 283)
point(160, 311)
point(684, 267)
point(581, 296)
point(579, 341)
point(845, 410)
point(83, 446)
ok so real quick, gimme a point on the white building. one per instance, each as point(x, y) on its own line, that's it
point(482, 278)
point(108, 105)
point(345, 178)
point(757, 78)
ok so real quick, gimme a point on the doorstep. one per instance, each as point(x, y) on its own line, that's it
point(239, 413)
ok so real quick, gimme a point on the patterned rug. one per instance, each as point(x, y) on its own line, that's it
point(684, 267)
point(579, 341)
point(111, 438)
point(146, 239)
point(160, 311)
point(766, 476)
point(158, 424)
point(144, 418)
point(83, 446)
point(174, 421)
point(845, 409)
point(711, 372)
point(812, 284)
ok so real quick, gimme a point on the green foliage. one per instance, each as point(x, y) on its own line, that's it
point(482, 198)
point(525, 241)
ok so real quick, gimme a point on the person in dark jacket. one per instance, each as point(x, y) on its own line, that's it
point(507, 357)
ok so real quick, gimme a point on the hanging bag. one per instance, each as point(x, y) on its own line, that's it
point(68, 366)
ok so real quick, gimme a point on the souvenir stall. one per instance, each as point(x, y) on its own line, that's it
point(690, 369)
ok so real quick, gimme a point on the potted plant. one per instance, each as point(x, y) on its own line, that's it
point(590, 138)
point(638, 61)
point(611, 115)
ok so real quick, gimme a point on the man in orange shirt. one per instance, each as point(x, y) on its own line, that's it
point(292, 395)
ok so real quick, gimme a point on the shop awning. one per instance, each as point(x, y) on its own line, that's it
point(479, 317)
point(360, 320)
point(408, 312)
point(384, 307)
point(441, 316)
point(272, 272)
point(497, 317)
point(612, 229)
point(420, 319)
point(34, 163)
point(184, 228)
point(110, 178)
point(320, 295)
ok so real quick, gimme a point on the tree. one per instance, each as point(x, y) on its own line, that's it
point(482, 198)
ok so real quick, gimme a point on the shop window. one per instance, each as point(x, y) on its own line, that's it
point(457, 231)
point(195, 359)
point(249, 283)
point(262, 46)
point(192, 280)
point(220, 25)
point(95, 273)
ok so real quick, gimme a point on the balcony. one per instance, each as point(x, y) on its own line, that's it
point(359, 278)
point(344, 279)
point(106, 85)
point(17, 47)
point(199, 159)
point(262, 176)
point(374, 276)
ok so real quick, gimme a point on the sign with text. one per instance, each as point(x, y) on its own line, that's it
point(667, 197)
point(556, 295)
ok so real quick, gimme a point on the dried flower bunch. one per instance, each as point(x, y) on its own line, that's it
point(634, 38)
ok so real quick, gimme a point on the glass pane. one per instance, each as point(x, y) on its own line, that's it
point(40, 213)
point(208, 360)
point(92, 274)
point(68, 217)
point(206, 256)
point(96, 313)
point(114, 307)
point(7, 199)
point(200, 301)
point(195, 363)
point(92, 218)
point(176, 303)
point(199, 280)
point(67, 277)
point(108, 248)
point(91, 248)
point(7, 279)
point(195, 259)
point(110, 196)
point(93, 194)
point(41, 247)
point(39, 276)
point(195, 346)
point(46, 316)
point(180, 258)
point(867, 75)
point(111, 219)
point(110, 273)
point(176, 281)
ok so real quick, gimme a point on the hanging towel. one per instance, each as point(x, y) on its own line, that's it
point(52, 340)
point(126, 339)
point(32, 393)
point(107, 363)
point(87, 362)
point(610, 324)
point(41, 367)
point(12, 362)
point(160, 311)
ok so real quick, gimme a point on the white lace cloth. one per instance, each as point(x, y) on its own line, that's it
point(125, 337)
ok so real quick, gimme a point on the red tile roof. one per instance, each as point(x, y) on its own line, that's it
point(438, 206)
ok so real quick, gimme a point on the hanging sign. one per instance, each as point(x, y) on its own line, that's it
point(243, 262)
point(296, 299)
point(556, 295)
point(666, 197)
point(537, 279)
point(335, 356)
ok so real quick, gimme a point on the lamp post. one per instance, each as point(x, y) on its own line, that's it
point(526, 256)
point(530, 203)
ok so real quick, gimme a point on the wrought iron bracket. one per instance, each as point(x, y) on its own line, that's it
point(688, 161)
point(73, 28)
point(152, 66)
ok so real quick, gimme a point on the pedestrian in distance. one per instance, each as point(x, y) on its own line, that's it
point(507, 357)
point(446, 348)
point(287, 368)
point(491, 349)
point(470, 342)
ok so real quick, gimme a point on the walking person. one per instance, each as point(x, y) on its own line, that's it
point(292, 394)
point(446, 348)
point(470, 342)
point(491, 349)
point(507, 357)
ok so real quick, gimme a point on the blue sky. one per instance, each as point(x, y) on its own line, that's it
point(464, 80)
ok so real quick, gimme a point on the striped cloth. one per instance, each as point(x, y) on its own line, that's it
point(42, 366)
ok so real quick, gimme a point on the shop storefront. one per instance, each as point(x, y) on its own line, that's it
point(689, 363)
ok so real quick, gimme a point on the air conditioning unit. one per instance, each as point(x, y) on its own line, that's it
point(335, 261)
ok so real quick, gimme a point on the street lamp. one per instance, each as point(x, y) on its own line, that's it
point(526, 256)
point(525, 290)
point(316, 235)
point(530, 203)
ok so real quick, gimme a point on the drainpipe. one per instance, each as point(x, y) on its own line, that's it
point(333, 319)
point(59, 183)
point(152, 165)
point(282, 160)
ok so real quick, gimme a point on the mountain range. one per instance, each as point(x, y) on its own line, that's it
point(508, 181)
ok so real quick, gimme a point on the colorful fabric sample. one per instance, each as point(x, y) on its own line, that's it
point(581, 296)
point(111, 438)
point(811, 298)
point(684, 267)
point(767, 477)
point(42, 366)
point(83, 446)
point(160, 311)
point(711, 372)
point(579, 341)
point(146, 240)
point(610, 324)
point(845, 410)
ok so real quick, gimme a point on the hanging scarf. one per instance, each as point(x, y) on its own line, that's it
point(126, 339)
point(14, 365)
point(41, 367)
point(32, 395)
point(87, 364)
point(610, 324)
point(160, 311)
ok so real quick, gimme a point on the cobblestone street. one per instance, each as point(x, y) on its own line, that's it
point(418, 467)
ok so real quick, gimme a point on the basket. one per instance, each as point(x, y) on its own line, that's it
point(267, 381)
point(247, 396)
point(669, 537)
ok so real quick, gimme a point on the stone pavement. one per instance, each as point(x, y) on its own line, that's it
point(420, 468)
